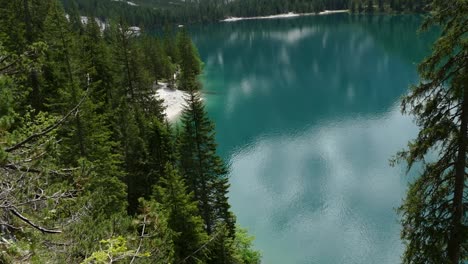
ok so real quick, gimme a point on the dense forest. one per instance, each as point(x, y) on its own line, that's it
point(90, 170)
point(158, 13)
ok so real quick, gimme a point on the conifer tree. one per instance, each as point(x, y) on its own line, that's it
point(161, 151)
point(157, 59)
point(87, 136)
point(202, 168)
point(155, 236)
point(96, 123)
point(136, 107)
point(184, 219)
point(433, 214)
point(189, 61)
point(97, 68)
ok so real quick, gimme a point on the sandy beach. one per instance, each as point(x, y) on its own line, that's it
point(173, 101)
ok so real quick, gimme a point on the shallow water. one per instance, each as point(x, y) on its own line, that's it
point(307, 115)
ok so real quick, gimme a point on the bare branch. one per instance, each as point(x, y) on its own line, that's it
point(26, 220)
point(200, 248)
point(50, 128)
point(141, 240)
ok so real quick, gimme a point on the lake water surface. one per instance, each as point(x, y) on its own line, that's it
point(307, 116)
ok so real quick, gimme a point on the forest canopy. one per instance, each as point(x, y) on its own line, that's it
point(90, 169)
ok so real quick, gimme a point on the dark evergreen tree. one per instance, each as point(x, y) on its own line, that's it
point(161, 151)
point(184, 219)
point(202, 168)
point(433, 213)
point(189, 61)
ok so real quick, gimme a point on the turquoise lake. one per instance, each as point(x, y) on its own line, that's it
point(307, 117)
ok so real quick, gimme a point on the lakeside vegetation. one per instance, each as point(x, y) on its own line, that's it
point(157, 14)
point(90, 170)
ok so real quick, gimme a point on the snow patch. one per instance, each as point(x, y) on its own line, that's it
point(128, 2)
point(287, 15)
point(134, 31)
point(102, 25)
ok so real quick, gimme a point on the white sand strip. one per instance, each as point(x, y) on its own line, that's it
point(288, 15)
point(173, 101)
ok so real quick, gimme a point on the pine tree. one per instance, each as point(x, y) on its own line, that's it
point(189, 61)
point(202, 168)
point(157, 59)
point(97, 68)
point(135, 108)
point(433, 217)
point(155, 236)
point(184, 219)
point(161, 151)
point(87, 136)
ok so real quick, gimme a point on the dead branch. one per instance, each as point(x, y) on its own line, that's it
point(50, 128)
point(141, 240)
point(29, 222)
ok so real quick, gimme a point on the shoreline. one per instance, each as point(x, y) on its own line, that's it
point(173, 101)
point(286, 15)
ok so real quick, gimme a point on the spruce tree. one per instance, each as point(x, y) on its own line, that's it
point(203, 169)
point(161, 151)
point(98, 69)
point(189, 61)
point(433, 214)
point(183, 216)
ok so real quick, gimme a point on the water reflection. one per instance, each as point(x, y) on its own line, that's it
point(306, 111)
point(327, 191)
point(301, 70)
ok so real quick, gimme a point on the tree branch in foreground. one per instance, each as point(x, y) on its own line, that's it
point(49, 129)
point(40, 228)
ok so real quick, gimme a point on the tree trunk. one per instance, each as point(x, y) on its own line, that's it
point(455, 240)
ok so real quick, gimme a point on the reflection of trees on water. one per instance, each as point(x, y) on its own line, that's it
point(284, 74)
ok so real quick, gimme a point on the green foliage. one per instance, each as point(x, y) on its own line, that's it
point(115, 250)
point(183, 216)
point(202, 168)
point(154, 233)
point(7, 113)
point(433, 217)
point(189, 61)
point(243, 244)
point(83, 142)
point(157, 14)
